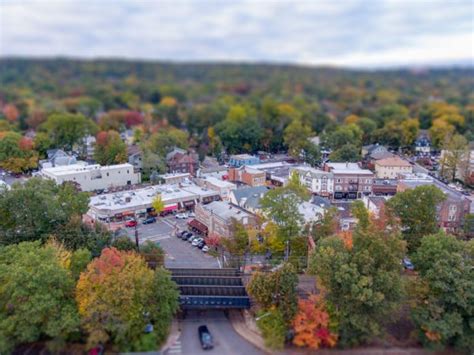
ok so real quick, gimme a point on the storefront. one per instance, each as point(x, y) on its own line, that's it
point(198, 227)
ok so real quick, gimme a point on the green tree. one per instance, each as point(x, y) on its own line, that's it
point(110, 148)
point(296, 137)
point(65, 130)
point(327, 226)
point(36, 298)
point(124, 243)
point(16, 153)
point(36, 209)
point(276, 289)
point(360, 212)
point(273, 328)
point(154, 255)
point(444, 297)
point(347, 153)
point(238, 242)
point(454, 157)
point(362, 283)
point(343, 135)
point(416, 210)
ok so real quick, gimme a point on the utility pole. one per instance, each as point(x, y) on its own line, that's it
point(136, 234)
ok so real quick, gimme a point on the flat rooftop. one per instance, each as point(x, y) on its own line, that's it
point(77, 168)
point(226, 210)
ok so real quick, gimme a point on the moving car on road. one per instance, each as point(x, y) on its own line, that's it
point(205, 337)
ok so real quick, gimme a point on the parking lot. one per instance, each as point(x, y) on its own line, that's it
point(179, 253)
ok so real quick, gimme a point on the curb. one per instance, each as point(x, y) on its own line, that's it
point(175, 333)
point(238, 323)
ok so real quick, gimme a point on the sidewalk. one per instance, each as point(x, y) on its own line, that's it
point(174, 335)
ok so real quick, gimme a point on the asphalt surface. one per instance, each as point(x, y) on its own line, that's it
point(226, 340)
point(179, 253)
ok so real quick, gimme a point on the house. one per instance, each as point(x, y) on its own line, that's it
point(317, 181)
point(179, 162)
point(247, 175)
point(374, 204)
point(93, 177)
point(450, 212)
point(350, 181)
point(217, 217)
point(89, 146)
point(248, 198)
point(422, 145)
point(311, 212)
point(344, 215)
point(391, 168)
point(223, 187)
point(239, 160)
point(134, 154)
point(57, 157)
point(368, 150)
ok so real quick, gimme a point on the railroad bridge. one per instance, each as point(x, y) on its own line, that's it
point(210, 288)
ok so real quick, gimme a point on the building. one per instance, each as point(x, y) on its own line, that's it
point(344, 215)
point(451, 211)
point(248, 198)
point(311, 212)
point(116, 206)
point(317, 181)
point(223, 187)
point(368, 150)
point(350, 181)
point(172, 179)
point(134, 154)
point(239, 160)
point(423, 145)
point(57, 157)
point(218, 216)
point(247, 175)
point(374, 204)
point(391, 168)
point(384, 187)
point(93, 177)
point(179, 162)
point(276, 173)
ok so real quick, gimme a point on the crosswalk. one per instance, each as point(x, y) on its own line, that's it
point(156, 238)
point(175, 349)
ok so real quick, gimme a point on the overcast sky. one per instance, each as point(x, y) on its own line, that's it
point(366, 33)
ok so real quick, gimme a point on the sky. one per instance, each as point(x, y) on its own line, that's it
point(351, 33)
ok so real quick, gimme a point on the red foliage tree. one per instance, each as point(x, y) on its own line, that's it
point(25, 144)
point(133, 118)
point(311, 324)
point(11, 112)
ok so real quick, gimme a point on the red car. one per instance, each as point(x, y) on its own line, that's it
point(131, 223)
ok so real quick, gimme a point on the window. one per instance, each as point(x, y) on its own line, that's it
point(338, 180)
point(128, 172)
point(107, 174)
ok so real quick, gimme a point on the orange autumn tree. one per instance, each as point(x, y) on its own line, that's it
point(118, 297)
point(312, 324)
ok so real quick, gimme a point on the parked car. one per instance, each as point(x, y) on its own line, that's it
point(149, 220)
point(181, 234)
point(131, 223)
point(187, 236)
point(407, 264)
point(205, 249)
point(201, 244)
point(196, 242)
point(193, 238)
point(205, 338)
point(191, 214)
point(181, 216)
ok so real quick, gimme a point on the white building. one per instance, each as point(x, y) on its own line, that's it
point(391, 168)
point(139, 202)
point(93, 177)
point(317, 181)
point(223, 187)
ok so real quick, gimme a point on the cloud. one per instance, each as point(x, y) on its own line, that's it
point(350, 32)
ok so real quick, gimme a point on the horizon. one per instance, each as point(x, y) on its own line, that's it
point(356, 35)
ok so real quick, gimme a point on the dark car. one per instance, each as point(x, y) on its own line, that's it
point(201, 244)
point(205, 338)
point(149, 220)
point(187, 236)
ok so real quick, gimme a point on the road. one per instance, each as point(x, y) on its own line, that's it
point(179, 253)
point(226, 340)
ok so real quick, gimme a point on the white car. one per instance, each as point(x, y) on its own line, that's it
point(205, 249)
point(196, 241)
point(191, 215)
point(181, 216)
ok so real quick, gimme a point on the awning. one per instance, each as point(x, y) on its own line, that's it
point(194, 223)
point(169, 208)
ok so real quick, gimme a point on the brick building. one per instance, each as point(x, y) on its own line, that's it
point(248, 176)
point(350, 181)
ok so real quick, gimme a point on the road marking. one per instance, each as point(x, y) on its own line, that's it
point(175, 348)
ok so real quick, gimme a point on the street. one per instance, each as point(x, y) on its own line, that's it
point(179, 253)
point(226, 340)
